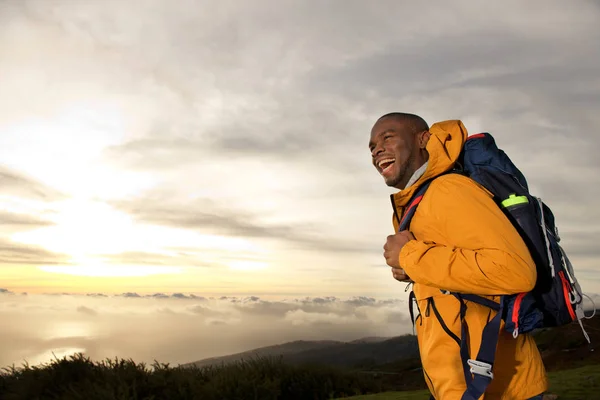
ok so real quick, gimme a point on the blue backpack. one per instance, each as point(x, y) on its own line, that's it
point(556, 298)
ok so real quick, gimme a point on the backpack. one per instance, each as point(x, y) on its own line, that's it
point(556, 298)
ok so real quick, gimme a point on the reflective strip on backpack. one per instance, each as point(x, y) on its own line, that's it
point(514, 200)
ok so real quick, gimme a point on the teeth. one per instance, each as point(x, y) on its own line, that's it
point(387, 160)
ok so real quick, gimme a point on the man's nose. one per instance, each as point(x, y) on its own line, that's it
point(376, 150)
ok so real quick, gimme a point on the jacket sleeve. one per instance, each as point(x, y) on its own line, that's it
point(481, 253)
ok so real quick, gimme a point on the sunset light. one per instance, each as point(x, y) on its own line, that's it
point(100, 270)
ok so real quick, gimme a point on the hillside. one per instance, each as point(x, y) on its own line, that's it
point(285, 349)
point(566, 347)
point(560, 347)
point(360, 352)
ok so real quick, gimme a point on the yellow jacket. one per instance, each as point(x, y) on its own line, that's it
point(464, 243)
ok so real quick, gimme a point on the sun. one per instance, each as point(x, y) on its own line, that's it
point(83, 227)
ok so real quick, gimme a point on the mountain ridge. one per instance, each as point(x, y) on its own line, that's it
point(558, 346)
point(366, 350)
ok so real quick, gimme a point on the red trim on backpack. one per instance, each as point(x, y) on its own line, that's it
point(516, 308)
point(413, 204)
point(476, 136)
point(566, 291)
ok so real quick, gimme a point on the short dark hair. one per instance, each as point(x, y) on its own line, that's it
point(416, 123)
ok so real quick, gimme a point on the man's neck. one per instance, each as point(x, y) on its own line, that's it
point(416, 175)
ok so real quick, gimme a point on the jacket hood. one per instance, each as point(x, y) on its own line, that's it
point(444, 147)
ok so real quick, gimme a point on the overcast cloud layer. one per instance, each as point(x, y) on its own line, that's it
point(180, 329)
point(220, 147)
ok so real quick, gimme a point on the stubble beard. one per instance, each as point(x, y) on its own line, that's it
point(400, 176)
point(403, 175)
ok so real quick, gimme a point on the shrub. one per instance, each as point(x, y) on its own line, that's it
point(78, 378)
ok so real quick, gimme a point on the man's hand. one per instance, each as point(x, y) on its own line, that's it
point(391, 252)
point(400, 275)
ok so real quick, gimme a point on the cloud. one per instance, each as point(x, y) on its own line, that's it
point(18, 184)
point(12, 253)
point(177, 330)
point(178, 258)
point(581, 244)
point(86, 310)
point(159, 295)
point(300, 317)
point(255, 127)
point(204, 311)
point(316, 119)
point(16, 222)
point(207, 217)
point(171, 329)
point(130, 294)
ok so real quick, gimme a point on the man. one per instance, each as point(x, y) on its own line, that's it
point(459, 241)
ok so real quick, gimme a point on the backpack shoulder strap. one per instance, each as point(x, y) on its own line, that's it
point(416, 199)
point(412, 205)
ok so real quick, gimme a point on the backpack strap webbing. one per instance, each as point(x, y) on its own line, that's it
point(412, 206)
point(417, 197)
point(481, 367)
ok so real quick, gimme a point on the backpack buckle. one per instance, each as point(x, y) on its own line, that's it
point(481, 368)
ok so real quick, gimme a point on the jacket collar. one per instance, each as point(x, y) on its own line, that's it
point(444, 147)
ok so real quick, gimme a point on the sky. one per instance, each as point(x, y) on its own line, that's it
point(220, 148)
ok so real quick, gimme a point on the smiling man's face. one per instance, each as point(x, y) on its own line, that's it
point(395, 151)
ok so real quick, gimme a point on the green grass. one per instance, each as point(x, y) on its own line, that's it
point(413, 395)
point(574, 384)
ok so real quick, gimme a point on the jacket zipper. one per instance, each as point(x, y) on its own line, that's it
point(430, 383)
point(431, 302)
point(395, 211)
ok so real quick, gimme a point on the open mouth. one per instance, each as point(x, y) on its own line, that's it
point(385, 165)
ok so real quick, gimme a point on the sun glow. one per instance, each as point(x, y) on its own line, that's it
point(245, 265)
point(67, 329)
point(54, 354)
point(85, 229)
point(110, 270)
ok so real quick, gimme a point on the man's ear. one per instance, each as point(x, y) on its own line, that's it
point(423, 139)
